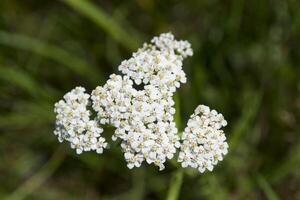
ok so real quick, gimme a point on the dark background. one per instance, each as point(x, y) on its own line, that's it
point(245, 65)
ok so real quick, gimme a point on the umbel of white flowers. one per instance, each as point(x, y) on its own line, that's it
point(144, 119)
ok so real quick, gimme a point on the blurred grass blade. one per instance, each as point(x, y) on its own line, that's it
point(20, 79)
point(39, 178)
point(267, 189)
point(289, 165)
point(23, 80)
point(106, 22)
point(235, 18)
point(52, 52)
point(208, 184)
point(249, 112)
point(31, 114)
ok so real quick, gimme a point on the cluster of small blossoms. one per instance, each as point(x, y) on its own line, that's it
point(73, 123)
point(204, 142)
point(167, 42)
point(159, 66)
point(143, 118)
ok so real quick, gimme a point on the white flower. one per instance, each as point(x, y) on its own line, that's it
point(204, 144)
point(159, 63)
point(74, 125)
point(144, 119)
point(166, 42)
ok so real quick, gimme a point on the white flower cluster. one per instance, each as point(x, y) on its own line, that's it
point(74, 125)
point(159, 64)
point(167, 42)
point(143, 118)
point(204, 142)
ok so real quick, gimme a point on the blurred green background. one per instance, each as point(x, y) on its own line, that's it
point(245, 64)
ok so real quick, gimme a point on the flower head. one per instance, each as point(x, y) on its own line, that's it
point(74, 125)
point(204, 142)
point(143, 118)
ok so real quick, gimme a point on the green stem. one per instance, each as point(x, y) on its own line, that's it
point(176, 180)
point(177, 114)
point(175, 185)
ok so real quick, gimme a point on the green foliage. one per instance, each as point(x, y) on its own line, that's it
point(105, 22)
point(245, 64)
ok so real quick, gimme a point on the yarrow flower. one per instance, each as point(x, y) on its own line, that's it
point(143, 118)
point(73, 123)
point(204, 142)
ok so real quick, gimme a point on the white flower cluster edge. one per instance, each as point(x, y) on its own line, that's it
point(144, 119)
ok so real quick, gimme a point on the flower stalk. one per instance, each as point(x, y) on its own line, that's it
point(177, 176)
point(175, 185)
